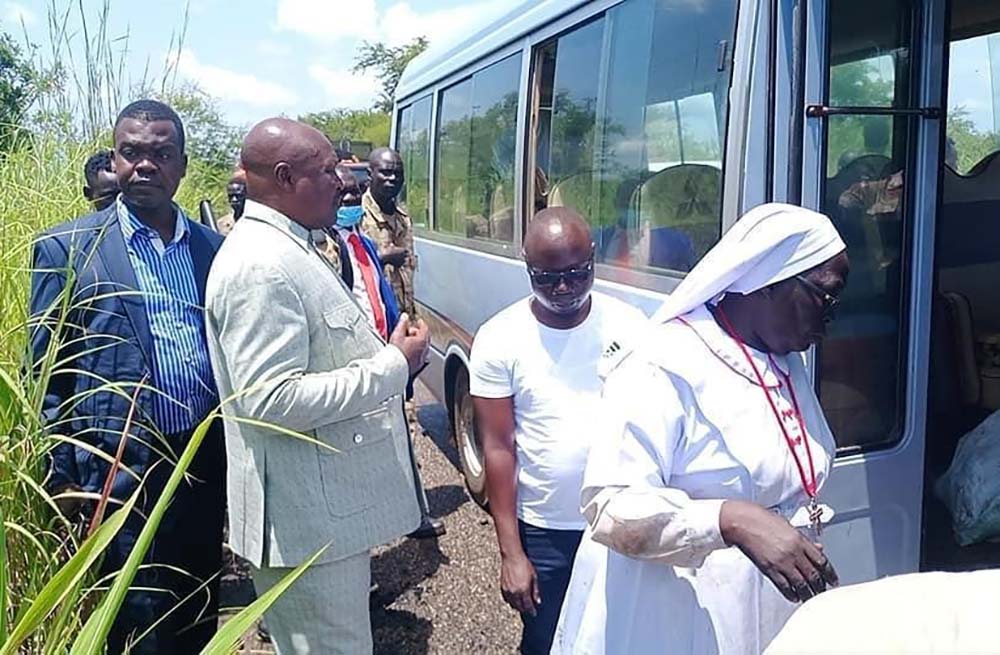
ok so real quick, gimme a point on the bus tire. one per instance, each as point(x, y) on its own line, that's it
point(467, 441)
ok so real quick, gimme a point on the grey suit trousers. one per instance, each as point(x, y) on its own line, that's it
point(325, 612)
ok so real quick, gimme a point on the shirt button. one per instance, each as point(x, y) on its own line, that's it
point(358, 439)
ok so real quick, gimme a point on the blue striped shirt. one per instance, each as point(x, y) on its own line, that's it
point(181, 371)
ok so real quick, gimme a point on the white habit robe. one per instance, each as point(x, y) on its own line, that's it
point(688, 426)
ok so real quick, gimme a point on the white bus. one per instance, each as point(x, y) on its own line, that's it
point(662, 121)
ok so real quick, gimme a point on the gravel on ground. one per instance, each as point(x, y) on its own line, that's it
point(437, 596)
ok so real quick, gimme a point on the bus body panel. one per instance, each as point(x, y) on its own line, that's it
point(876, 492)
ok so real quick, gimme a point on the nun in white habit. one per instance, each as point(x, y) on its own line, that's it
point(714, 447)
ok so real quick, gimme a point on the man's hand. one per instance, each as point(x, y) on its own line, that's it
point(394, 255)
point(519, 583)
point(413, 340)
point(796, 566)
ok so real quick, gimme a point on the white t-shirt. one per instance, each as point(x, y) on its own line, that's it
point(552, 376)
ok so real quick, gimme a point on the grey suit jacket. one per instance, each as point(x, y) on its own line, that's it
point(290, 347)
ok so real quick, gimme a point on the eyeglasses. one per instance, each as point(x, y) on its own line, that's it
point(830, 302)
point(553, 278)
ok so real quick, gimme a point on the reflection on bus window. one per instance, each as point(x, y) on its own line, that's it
point(413, 141)
point(862, 361)
point(973, 102)
point(476, 139)
point(630, 118)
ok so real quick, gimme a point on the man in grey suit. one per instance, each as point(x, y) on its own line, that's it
point(292, 349)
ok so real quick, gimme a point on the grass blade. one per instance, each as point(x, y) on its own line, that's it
point(227, 638)
point(3, 579)
point(95, 631)
point(67, 579)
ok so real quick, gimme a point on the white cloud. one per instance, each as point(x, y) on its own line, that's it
point(325, 19)
point(233, 86)
point(401, 23)
point(269, 48)
point(17, 13)
point(343, 88)
point(396, 25)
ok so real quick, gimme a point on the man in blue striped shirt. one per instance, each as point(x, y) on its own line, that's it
point(117, 297)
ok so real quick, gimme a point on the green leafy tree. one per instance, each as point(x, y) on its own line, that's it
point(19, 84)
point(388, 63)
point(210, 138)
point(855, 84)
point(371, 125)
point(971, 144)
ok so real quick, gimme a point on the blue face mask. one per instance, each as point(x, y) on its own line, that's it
point(350, 216)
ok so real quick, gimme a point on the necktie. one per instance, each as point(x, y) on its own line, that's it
point(371, 283)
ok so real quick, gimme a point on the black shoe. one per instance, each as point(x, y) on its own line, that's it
point(262, 633)
point(430, 528)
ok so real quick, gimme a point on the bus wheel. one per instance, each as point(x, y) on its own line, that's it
point(470, 448)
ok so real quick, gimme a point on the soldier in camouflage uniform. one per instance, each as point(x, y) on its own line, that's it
point(389, 227)
point(236, 194)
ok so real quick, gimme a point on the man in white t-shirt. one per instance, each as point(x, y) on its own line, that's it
point(535, 388)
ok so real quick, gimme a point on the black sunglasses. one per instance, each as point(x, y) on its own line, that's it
point(830, 302)
point(553, 278)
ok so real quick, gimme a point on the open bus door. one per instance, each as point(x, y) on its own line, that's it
point(873, 92)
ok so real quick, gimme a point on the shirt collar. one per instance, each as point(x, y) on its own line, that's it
point(723, 346)
point(131, 225)
point(260, 212)
point(371, 207)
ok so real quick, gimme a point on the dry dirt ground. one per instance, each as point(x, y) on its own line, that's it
point(437, 596)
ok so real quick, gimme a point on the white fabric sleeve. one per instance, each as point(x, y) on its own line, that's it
point(490, 365)
point(626, 495)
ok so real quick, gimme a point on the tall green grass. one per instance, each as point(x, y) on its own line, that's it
point(50, 599)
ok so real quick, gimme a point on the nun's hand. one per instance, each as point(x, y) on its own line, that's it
point(796, 566)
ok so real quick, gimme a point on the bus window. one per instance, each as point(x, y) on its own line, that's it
point(965, 331)
point(863, 360)
point(629, 124)
point(475, 154)
point(414, 146)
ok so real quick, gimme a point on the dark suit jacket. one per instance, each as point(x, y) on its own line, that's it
point(104, 338)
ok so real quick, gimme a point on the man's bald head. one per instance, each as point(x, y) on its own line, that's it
point(291, 167)
point(560, 257)
point(378, 155)
point(557, 234)
point(239, 176)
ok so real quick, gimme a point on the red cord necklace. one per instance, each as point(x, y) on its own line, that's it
point(809, 484)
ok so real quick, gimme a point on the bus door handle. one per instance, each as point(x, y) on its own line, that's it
point(822, 111)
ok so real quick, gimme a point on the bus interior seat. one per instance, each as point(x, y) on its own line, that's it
point(681, 204)
point(608, 218)
point(968, 240)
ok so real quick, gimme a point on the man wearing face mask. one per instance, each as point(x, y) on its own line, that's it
point(336, 245)
point(355, 257)
point(535, 388)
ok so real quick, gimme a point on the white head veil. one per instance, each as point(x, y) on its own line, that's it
point(770, 243)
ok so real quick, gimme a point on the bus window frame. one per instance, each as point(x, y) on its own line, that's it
point(734, 143)
point(917, 251)
point(431, 233)
point(394, 140)
point(658, 280)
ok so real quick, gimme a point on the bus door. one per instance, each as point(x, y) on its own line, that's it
point(871, 139)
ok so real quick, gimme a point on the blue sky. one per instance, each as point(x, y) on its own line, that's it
point(290, 57)
point(264, 57)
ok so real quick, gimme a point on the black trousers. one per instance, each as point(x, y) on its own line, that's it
point(170, 596)
point(551, 552)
